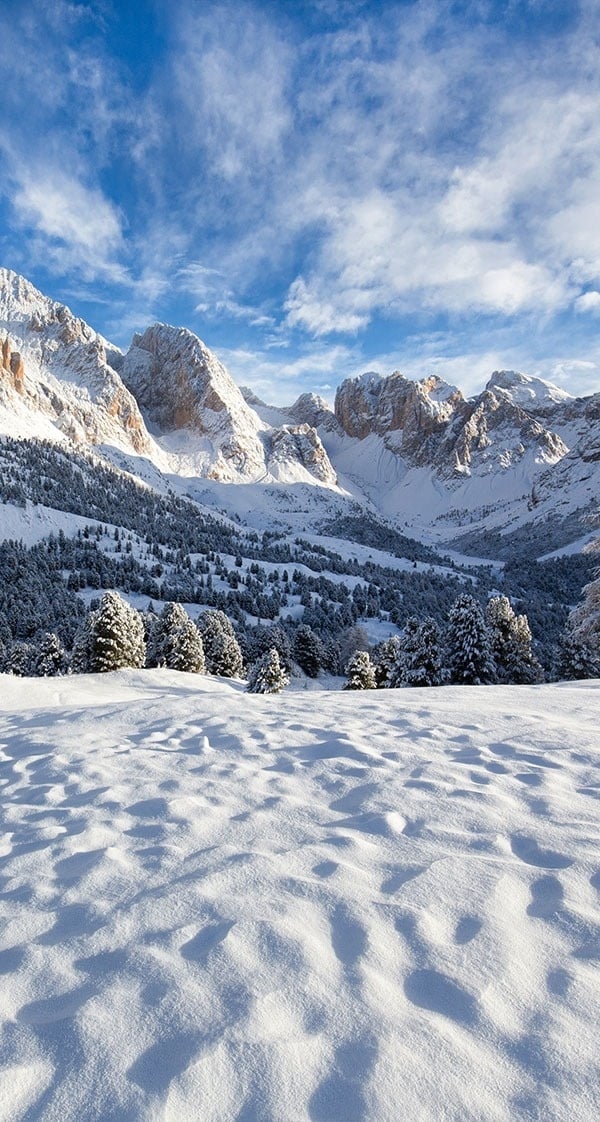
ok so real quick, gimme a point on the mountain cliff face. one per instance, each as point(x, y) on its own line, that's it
point(430, 422)
point(55, 369)
point(56, 365)
point(418, 451)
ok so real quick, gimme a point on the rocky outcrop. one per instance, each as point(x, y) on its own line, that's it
point(299, 444)
point(58, 365)
point(311, 409)
point(180, 384)
point(12, 369)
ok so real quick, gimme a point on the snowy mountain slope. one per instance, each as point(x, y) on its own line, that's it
point(220, 910)
point(416, 452)
point(56, 378)
point(53, 367)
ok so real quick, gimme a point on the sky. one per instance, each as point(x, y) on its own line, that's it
point(315, 188)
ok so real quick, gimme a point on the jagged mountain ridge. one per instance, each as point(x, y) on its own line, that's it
point(420, 452)
point(168, 399)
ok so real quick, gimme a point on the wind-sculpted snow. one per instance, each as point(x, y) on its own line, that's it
point(323, 907)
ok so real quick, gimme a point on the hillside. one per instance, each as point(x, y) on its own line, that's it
point(221, 906)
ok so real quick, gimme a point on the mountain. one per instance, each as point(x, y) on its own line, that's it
point(168, 399)
point(55, 371)
point(522, 453)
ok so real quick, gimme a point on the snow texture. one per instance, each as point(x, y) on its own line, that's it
point(221, 906)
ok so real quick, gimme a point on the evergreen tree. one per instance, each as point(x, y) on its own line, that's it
point(408, 646)
point(468, 645)
point(308, 651)
point(584, 621)
point(575, 661)
point(113, 637)
point(176, 642)
point(422, 666)
point(267, 675)
point(222, 651)
point(511, 643)
point(20, 658)
point(360, 672)
point(50, 659)
point(387, 657)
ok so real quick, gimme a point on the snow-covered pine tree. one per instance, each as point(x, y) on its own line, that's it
point(408, 645)
point(575, 661)
point(50, 659)
point(422, 666)
point(267, 675)
point(222, 651)
point(469, 656)
point(360, 672)
point(308, 650)
point(584, 621)
point(112, 638)
point(387, 657)
point(511, 643)
point(20, 658)
point(176, 641)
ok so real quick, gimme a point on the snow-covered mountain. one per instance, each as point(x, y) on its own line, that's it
point(168, 399)
point(418, 452)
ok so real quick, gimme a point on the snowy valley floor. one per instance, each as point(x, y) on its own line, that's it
point(334, 907)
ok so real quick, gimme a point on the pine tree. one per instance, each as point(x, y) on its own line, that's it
point(20, 658)
point(50, 659)
point(408, 646)
point(422, 666)
point(112, 638)
point(584, 621)
point(308, 651)
point(222, 651)
point(575, 661)
point(511, 643)
point(387, 657)
point(176, 642)
point(360, 672)
point(468, 644)
point(267, 675)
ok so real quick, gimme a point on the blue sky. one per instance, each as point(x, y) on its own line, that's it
point(314, 188)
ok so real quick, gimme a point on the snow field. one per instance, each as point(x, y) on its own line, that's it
point(374, 907)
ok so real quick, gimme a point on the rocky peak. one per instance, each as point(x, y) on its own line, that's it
point(180, 384)
point(396, 405)
point(69, 378)
point(526, 390)
point(299, 444)
point(311, 409)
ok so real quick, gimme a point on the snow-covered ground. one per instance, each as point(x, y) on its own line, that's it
point(328, 907)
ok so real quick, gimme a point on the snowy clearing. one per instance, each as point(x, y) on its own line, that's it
point(331, 907)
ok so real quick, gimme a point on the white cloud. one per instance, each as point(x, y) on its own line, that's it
point(588, 302)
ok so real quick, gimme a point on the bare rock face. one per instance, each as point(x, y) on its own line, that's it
point(299, 444)
point(180, 384)
point(311, 409)
point(12, 370)
point(417, 413)
point(58, 366)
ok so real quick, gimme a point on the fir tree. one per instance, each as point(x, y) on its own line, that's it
point(50, 659)
point(267, 675)
point(308, 651)
point(468, 645)
point(575, 661)
point(176, 642)
point(20, 659)
point(511, 643)
point(408, 646)
point(360, 672)
point(113, 638)
point(387, 657)
point(221, 649)
point(422, 666)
